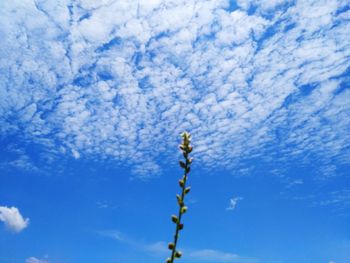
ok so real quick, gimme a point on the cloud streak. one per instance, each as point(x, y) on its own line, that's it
point(211, 255)
point(160, 249)
point(36, 260)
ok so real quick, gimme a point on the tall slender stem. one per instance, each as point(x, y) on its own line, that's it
point(186, 150)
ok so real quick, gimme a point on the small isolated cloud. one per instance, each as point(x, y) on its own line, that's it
point(233, 202)
point(114, 234)
point(211, 255)
point(36, 260)
point(13, 219)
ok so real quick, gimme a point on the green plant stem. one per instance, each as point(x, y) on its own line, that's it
point(186, 150)
point(176, 236)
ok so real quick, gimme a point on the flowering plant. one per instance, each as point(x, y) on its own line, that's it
point(186, 149)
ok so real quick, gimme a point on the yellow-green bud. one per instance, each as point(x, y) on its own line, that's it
point(184, 209)
point(187, 190)
point(168, 260)
point(179, 200)
point(178, 254)
point(181, 183)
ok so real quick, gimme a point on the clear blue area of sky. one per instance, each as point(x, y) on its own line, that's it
point(71, 216)
point(93, 97)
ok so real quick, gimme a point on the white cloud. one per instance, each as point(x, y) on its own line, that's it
point(233, 202)
point(114, 234)
point(36, 260)
point(13, 219)
point(122, 79)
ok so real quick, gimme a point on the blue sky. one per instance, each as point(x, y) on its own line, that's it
point(94, 96)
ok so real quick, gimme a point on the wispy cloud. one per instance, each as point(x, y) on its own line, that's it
point(13, 219)
point(211, 255)
point(159, 249)
point(36, 260)
point(339, 201)
point(114, 234)
point(117, 80)
point(233, 202)
point(156, 248)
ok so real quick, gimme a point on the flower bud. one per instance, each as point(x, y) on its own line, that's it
point(184, 209)
point(179, 200)
point(178, 254)
point(168, 260)
point(171, 246)
point(181, 183)
point(174, 219)
point(187, 190)
point(189, 149)
point(181, 226)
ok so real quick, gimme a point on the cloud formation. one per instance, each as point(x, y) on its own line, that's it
point(121, 79)
point(36, 260)
point(13, 219)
